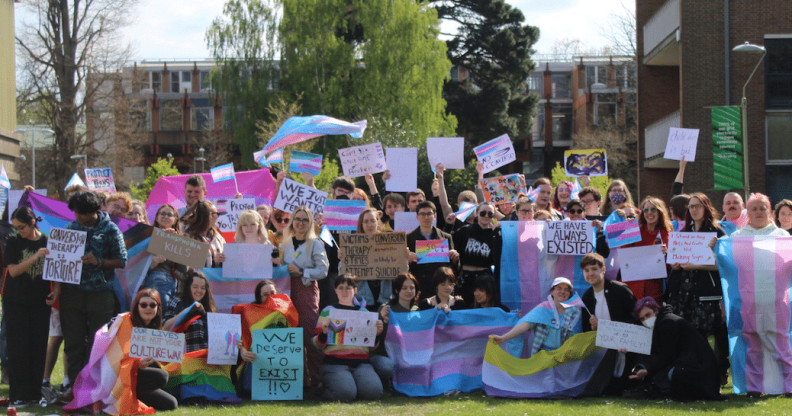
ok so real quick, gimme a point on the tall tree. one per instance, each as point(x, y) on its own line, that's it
point(494, 47)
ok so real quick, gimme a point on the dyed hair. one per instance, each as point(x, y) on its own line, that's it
point(556, 202)
point(261, 228)
point(760, 197)
point(207, 301)
point(137, 321)
point(399, 283)
point(784, 203)
point(710, 214)
point(348, 278)
point(647, 302)
point(607, 206)
point(362, 214)
point(663, 222)
point(592, 259)
point(443, 274)
point(176, 226)
point(260, 285)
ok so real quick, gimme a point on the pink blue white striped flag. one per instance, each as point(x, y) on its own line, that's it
point(299, 129)
point(305, 162)
point(623, 232)
point(4, 181)
point(533, 193)
point(327, 237)
point(575, 191)
point(230, 292)
point(223, 173)
point(266, 161)
point(465, 210)
point(340, 214)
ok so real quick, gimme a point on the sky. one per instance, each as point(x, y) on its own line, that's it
point(174, 29)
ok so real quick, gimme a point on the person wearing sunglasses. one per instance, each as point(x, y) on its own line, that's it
point(476, 246)
point(655, 224)
point(575, 211)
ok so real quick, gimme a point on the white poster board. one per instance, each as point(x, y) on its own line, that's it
point(495, 153)
point(681, 142)
point(227, 222)
point(360, 160)
point(407, 222)
point(617, 335)
point(403, 167)
point(292, 195)
point(450, 151)
point(575, 238)
point(247, 261)
point(64, 261)
point(690, 248)
point(352, 328)
point(225, 330)
point(162, 346)
point(642, 263)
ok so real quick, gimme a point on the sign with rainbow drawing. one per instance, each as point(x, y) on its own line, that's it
point(432, 251)
point(352, 328)
point(305, 162)
point(360, 160)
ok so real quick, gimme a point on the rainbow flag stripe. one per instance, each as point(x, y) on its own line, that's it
point(193, 380)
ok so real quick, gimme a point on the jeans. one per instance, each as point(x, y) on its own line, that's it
point(346, 383)
point(163, 282)
point(383, 366)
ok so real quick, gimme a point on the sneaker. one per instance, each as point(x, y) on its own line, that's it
point(66, 396)
point(43, 402)
point(49, 395)
point(19, 404)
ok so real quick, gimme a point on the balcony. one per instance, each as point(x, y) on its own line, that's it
point(661, 36)
point(655, 140)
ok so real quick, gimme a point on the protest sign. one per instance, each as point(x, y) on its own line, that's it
point(224, 331)
point(450, 151)
point(690, 248)
point(360, 160)
point(227, 223)
point(352, 328)
point(642, 263)
point(100, 179)
point(342, 214)
point(278, 369)
point(247, 261)
point(64, 261)
point(591, 162)
point(178, 249)
point(495, 153)
point(681, 142)
point(569, 237)
point(305, 162)
point(617, 335)
point(407, 222)
point(622, 233)
point(501, 189)
point(162, 346)
point(432, 251)
point(293, 195)
point(727, 149)
point(403, 166)
point(375, 256)
point(14, 195)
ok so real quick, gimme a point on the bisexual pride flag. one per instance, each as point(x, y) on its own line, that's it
point(300, 129)
point(305, 162)
point(755, 275)
point(223, 172)
point(342, 214)
point(432, 251)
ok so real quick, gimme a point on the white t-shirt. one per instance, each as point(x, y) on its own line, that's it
point(603, 314)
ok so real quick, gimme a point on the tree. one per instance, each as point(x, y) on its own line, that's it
point(161, 168)
point(69, 41)
point(620, 31)
point(494, 47)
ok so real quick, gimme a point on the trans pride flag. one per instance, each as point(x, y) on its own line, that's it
point(342, 214)
point(434, 352)
point(305, 162)
point(432, 251)
point(755, 275)
point(300, 129)
point(230, 292)
point(265, 161)
point(621, 232)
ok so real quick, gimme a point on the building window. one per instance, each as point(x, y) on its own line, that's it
point(186, 76)
point(604, 109)
point(170, 115)
point(202, 115)
point(455, 73)
point(778, 73)
point(206, 80)
point(140, 121)
point(779, 145)
point(602, 74)
point(156, 81)
point(535, 84)
point(562, 122)
point(537, 132)
point(561, 87)
point(174, 81)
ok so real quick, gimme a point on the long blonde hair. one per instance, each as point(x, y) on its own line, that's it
point(288, 233)
point(254, 217)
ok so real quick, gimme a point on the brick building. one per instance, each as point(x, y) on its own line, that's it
point(686, 66)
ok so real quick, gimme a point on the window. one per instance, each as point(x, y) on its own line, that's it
point(538, 125)
point(170, 115)
point(140, 121)
point(202, 115)
point(604, 109)
point(561, 87)
point(455, 73)
point(602, 74)
point(174, 81)
point(535, 84)
point(156, 81)
point(779, 145)
point(206, 80)
point(186, 76)
point(562, 122)
point(778, 73)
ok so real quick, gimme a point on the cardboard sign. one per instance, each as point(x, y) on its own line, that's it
point(591, 162)
point(100, 179)
point(501, 189)
point(247, 261)
point(432, 251)
point(179, 249)
point(623, 233)
point(360, 160)
point(64, 261)
point(690, 248)
point(278, 369)
point(224, 331)
point(617, 335)
point(305, 162)
point(342, 214)
point(375, 256)
point(566, 238)
point(403, 166)
point(450, 151)
point(642, 263)
point(227, 222)
point(293, 195)
point(162, 346)
point(495, 153)
point(352, 328)
point(681, 142)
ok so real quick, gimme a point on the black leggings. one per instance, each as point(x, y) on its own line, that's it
point(28, 331)
point(150, 381)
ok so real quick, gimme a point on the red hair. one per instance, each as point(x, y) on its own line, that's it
point(137, 321)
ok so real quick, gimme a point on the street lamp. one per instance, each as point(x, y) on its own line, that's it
point(34, 130)
point(84, 157)
point(752, 49)
point(202, 159)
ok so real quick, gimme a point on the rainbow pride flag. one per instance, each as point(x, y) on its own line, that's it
point(434, 352)
point(340, 214)
point(336, 331)
point(193, 380)
point(300, 129)
point(432, 251)
point(305, 162)
point(755, 275)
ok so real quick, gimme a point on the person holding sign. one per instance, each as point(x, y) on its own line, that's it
point(196, 337)
point(26, 303)
point(374, 292)
point(544, 198)
point(200, 224)
point(251, 229)
point(347, 373)
point(616, 197)
point(161, 275)
point(426, 213)
point(681, 364)
point(476, 243)
point(655, 225)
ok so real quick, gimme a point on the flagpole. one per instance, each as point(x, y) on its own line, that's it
point(236, 185)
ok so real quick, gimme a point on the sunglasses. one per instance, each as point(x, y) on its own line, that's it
point(575, 211)
point(300, 220)
point(695, 206)
point(653, 210)
point(146, 305)
point(281, 220)
point(483, 214)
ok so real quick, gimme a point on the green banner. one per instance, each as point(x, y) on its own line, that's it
point(727, 150)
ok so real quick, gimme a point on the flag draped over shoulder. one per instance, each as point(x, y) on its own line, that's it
point(563, 372)
point(755, 275)
point(230, 292)
point(110, 376)
point(434, 352)
point(195, 380)
point(300, 129)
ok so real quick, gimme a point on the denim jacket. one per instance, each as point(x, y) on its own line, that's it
point(105, 241)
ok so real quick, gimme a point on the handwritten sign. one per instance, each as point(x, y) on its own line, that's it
point(352, 328)
point(278, 369)
point(407, 222)
point(642, 263)
point(501, 189)
point(100, 179)
point(403, 166)
point(617, 335)
point(375, 256)
point(681, 142)
point(292, 195)
point(179, 249)
point(432, 251)
point(569, 237)
point(162, 346)
point(227, 223)
point(247, 261)
point(495, 153)
point(690, 248)
point(305, 162)
point(224, 331)
point(450, 151)
point(360, 160)
point(66, 248)
point(342, 214)
point(590, 162)
point(623, 233)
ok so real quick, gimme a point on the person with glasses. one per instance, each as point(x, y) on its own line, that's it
point(26, 302)
point(279, 221)
point(592, 200)
point(163, 273)
point(200, 224)
point(118, 204)
point(197, 289)
point(426, 212)
point(575, 212)
point(524, 209)
point(476, 244)
point(655, 224)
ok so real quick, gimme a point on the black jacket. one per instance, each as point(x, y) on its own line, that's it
point(425, 272)
point(620, 299)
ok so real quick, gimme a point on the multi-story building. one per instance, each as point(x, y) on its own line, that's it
point(686, 66)
point(9, 141)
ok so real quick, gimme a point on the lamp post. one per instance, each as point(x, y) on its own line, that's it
point(34, 130)
point(202, 159)
point(752, 49)
point(84, 157)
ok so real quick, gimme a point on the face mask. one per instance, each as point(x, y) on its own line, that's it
point(650, 322)
point(618, 198)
